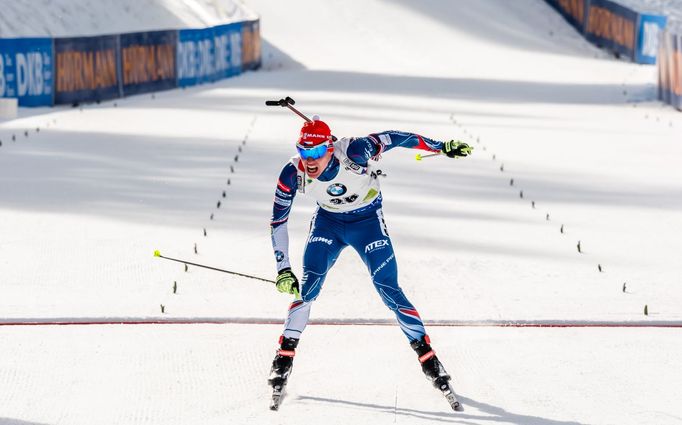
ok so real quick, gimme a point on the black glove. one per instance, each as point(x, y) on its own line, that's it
point(455, 148)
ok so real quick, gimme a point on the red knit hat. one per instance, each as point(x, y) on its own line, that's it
point(314, 133)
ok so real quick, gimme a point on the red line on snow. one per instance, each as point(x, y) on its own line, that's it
point(339, 322)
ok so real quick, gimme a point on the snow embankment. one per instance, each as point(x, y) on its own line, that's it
point(670, 8)
point(68, 18)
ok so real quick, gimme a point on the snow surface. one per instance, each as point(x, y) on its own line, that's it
point(67, 18)
point(86, 200)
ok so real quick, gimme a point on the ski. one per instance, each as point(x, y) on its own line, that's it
point(277, 395)
point(282, 366)
point(450, 396)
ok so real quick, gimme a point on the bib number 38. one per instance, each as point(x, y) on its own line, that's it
point(347, 200)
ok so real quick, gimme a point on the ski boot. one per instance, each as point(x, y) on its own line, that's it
point(434, 371)
point(282, 366)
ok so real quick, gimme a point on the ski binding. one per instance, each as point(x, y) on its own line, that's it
point(450, 396)
point(277, 395)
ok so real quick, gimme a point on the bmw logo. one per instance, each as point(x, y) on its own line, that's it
point(337, 189)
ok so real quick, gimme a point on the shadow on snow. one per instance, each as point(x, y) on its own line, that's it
point(492, 413)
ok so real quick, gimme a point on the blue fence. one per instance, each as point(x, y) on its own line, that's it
point(615, 27)
point(195, 57)
point(209, 54)
point(227, 45)
point(46, 71)
point(650, 29)
point(26, 70)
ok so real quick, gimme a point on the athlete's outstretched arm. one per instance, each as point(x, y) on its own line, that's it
point(284, 197)
point(362, 149)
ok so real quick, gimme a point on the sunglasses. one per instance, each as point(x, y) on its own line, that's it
point(316, 152)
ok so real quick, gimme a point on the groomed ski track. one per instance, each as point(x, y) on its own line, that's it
point(570, 147)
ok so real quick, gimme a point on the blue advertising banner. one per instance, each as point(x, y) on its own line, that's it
point(251, 45)
point(209, 54)
point(148, 61)
point(87, 69)
point(44, 71)
point(227, 44)
point(612, 26)
point(26, 70)
point(196, 63)
point(649, 31)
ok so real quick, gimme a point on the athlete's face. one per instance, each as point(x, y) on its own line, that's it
point(315, 167)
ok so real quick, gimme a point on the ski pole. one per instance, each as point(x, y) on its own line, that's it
point(158, 254)
point(419, 156)
point(286, 103)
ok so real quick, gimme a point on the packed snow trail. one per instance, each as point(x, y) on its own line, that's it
point(87, 199)
point(72, 18)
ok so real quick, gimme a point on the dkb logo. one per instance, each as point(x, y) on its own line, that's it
point(30, 74)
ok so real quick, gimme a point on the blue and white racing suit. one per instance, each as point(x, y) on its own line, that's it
point(348, 214)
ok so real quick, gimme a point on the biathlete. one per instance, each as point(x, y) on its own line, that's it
point(338, 174)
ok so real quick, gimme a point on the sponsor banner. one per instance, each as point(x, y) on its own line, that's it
point(195, 57)
point(574, 11)
point(148, 61)
point(87, 69)
point(227, 41)
point(675, 66)
point(664, 44)
point(670, 69)
point(209, 54)
point(44, 71)
point(26, 70)
point(649, 30)
point(251, 45)
point(612, 26)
